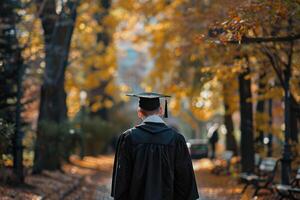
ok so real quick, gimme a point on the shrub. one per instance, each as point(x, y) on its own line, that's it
point(96, 134)
point(56, 138)
point(6, 133)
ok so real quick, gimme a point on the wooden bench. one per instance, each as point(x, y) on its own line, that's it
point(263, 179)
point(296, 180)
point(222, 164)
point(291, 191)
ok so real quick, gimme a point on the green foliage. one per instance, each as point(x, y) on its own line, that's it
point(97, 134)
point(6, 133)
point(58, 139)
point(54, 132)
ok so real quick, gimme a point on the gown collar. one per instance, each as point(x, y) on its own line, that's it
point(154, 119)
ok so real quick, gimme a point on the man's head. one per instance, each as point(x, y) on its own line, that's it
point(149, 104)
point(142, 113)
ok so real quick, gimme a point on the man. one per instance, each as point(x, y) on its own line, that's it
point(152, 161)
point(213, 139)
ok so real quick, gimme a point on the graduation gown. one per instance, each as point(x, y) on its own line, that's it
point(152, 162)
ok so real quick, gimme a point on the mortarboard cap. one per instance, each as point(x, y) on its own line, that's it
point(150, 101)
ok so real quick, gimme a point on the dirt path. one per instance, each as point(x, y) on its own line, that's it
point(97, 178)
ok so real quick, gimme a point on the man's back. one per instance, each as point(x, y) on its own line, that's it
point(152, 163)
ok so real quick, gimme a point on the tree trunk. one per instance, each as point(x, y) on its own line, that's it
point(102, 37)
point(286, 154)
point(260, 109)
point(270, 135)
point(231, 143)
point(247, 143)
point(58, 31)
point(295, 107)
point(17, 140)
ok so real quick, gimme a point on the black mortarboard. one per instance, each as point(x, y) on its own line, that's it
point(150, 101)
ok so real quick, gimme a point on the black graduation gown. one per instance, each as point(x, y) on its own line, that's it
point(152, 162)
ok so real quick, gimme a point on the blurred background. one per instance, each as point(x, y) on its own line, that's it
point(231, 67)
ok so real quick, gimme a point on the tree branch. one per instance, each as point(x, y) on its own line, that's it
point(274, 64)
point(251, 40)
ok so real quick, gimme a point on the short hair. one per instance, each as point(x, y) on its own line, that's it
point(149, 112)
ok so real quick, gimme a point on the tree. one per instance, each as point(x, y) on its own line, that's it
point(103, 38)
point(275, 31)
point(231, 144)
point(58, 30)
point(12, 70)
point(247, 140)
point(93, 60)
point(260, 108)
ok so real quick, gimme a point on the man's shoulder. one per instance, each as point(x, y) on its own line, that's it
point(179, 136)
point(127, 132)
point(130, 132)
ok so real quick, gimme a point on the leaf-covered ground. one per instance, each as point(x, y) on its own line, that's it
point(90, 179)
point(222, 187)
point(86, 179)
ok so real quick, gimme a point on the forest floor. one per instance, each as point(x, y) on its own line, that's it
point(90, 179)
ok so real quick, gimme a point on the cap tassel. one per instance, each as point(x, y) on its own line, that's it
point(166, 109)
